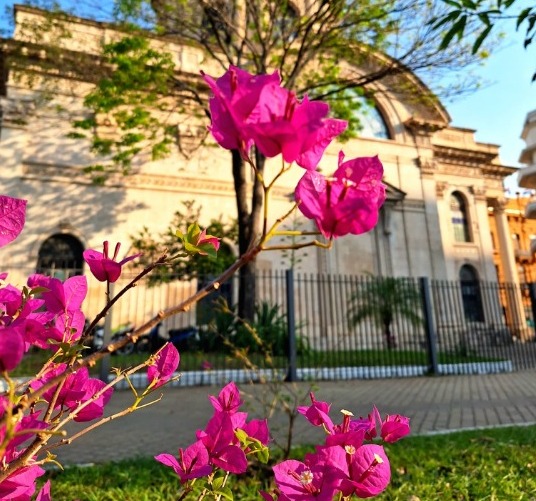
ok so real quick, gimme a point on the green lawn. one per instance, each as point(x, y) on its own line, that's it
point(493, 465)
point(192, 360)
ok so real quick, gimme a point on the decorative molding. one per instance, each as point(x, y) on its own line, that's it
point(141, 181)
point(499, 205)
point(460, 171)
point(420, 126)
point(463, 156)
point(441, 186)
point(479, 192)
point(410, 204)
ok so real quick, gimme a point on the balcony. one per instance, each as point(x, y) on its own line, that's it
point(530, 209)
point(526, 177)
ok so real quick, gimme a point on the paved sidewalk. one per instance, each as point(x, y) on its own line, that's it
point(434, 405)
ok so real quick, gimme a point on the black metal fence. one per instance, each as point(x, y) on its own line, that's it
point(311, 326)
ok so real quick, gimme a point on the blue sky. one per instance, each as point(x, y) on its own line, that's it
point(497, 111)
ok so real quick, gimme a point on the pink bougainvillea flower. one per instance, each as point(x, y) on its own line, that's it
point(369, 471)
point(12, 218)
point(11, 347)
point(228, 400)
point(44, 493)
point(62, 319)
point(206, 365)
point(346, 203)
point(220, 440)
point(235, 102)
point(10, 300)
point(20, 485)
point(193, 462)
point(313, 480)
point(394, 428)
point(59, 296)
point(78, 388)
point(95, 409)
point(24, 430)
point(370, 425)
point(317, 413)
point(72, 390)
point(296, 129)
point(166, 361)
point(104, 268)
point(258, 429)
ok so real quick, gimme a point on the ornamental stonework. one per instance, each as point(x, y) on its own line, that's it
point(441, 186)
point(479, 192)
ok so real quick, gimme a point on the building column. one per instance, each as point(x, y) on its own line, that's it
point(515, 312)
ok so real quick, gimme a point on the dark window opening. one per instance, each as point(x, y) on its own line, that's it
point(471, 294)
point(60, 256)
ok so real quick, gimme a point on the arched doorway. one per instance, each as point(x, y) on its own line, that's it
point(60, 256)
point(471, 294)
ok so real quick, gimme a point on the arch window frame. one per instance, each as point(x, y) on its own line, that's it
point(459, 218)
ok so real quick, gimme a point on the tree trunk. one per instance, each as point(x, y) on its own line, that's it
point(249, 228)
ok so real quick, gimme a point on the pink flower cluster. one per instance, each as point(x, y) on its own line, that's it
point(249, 110)
point(21, 484)
point(224, 443)
point(46, 321)
point(348, 463)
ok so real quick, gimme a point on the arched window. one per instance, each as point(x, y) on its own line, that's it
point(61, 256)
point(459, 219)
point(373, 124)
point(471, 295)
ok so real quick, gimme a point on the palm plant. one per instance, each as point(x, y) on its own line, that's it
point(382, 300)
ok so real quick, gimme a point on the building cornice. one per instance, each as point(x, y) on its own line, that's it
point(463, 156)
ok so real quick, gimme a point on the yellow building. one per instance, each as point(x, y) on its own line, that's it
point(523, 234)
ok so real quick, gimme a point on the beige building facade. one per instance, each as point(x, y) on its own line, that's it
point(441, 182)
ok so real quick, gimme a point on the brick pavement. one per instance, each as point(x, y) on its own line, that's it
point(434, 404)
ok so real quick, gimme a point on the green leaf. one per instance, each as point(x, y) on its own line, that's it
point(209, 250)
point(481, 37)
point(193, 232)
point(225, 492)
point(456, 30)
point(217, 483)
point(446, 19)
point(522, 16)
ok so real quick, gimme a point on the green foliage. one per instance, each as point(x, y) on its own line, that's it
point(184, 266)
point(129, 104)
point(382, 300)
point(265, 335)
point(487, 14)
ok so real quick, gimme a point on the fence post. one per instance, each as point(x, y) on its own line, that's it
point(429, 328)
point(291, 327)
point(532, 294)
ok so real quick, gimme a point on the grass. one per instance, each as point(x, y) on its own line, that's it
point(489, 465)
point(193, 360)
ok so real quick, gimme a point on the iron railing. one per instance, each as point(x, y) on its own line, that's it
point(311, 326)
